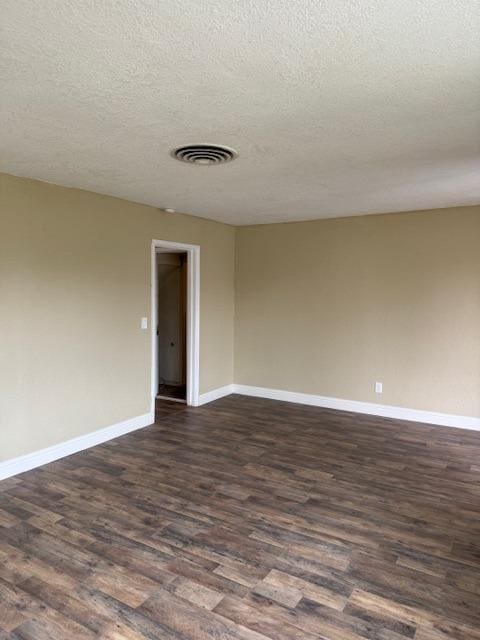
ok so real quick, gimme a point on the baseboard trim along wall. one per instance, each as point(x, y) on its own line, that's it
point(215, 394)
point(44, 456)
point(356, 406)
point(386, 411)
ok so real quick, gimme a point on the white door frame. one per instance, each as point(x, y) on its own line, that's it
point(193, 317)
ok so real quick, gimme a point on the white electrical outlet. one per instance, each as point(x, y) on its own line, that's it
point(378, 387)
point(144, 323)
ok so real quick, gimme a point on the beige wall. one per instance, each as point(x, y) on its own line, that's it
point(331, 306)
point(325, 307)
point(74, 283)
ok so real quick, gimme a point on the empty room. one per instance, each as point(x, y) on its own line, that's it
point(240, 320)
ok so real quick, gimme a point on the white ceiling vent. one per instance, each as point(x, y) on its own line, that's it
point(204, 154)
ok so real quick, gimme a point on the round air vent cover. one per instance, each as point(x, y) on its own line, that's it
point(204, 154)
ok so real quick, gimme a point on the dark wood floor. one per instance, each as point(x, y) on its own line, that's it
point(248, 519)
point(177, 392)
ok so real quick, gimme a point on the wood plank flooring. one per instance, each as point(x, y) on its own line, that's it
point(177, 392)
point(248, 519)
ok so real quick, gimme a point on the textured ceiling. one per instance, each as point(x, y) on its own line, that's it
point(336, 107)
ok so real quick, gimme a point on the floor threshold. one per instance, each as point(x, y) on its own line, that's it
point(171, 399)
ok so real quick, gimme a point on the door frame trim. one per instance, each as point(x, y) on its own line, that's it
point(193, 318)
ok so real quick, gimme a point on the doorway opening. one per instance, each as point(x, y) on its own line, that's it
point(172, 325)
point(175, 321)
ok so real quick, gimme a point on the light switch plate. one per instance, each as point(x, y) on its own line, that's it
point(144, 323)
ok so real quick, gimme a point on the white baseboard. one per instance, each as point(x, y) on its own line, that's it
point(44, 456)
point(386, 411)
point(215, 394)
